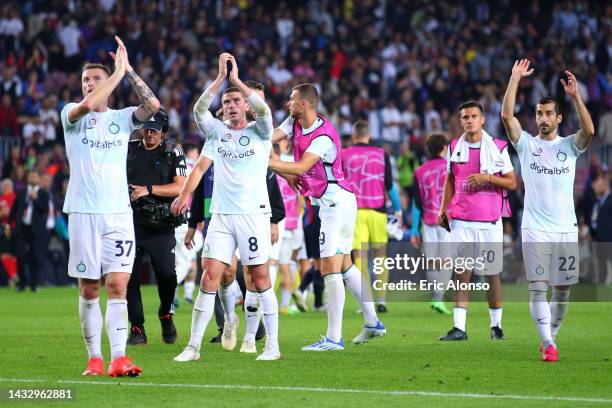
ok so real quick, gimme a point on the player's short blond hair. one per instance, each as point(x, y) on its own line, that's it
point(93, 65)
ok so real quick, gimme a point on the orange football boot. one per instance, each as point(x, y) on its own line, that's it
point(95, 366)
point(123, 367)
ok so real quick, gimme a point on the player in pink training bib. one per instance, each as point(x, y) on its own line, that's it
point(319, 174)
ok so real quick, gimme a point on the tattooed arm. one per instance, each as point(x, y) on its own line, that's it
point(149, 104)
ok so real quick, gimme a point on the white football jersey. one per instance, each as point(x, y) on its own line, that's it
point(548, 169)
point(241, 162)
point(96, 146)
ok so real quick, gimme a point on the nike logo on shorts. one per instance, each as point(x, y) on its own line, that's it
point(253, 257)
point(125, 264)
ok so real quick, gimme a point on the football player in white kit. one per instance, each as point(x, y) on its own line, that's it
point(549, 225)
point(240, 206)
point(97, 201)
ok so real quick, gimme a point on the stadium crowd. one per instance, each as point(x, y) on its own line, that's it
point(404, 66)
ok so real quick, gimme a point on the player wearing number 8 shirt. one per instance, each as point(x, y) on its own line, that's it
point(549, 226)
point(240, 206)
point(97, 201)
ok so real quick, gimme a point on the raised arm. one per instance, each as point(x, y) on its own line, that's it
point(511, 123)
point(203, 118)
point(101, 94)
point(263, 114)
point(587, 129)
point(149, 104)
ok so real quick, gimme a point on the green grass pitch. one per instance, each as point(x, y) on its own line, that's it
point(42, 347)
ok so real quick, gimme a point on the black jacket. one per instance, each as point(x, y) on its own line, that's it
point(40, 213)
point(603, 233)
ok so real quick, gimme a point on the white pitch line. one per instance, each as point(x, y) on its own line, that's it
point(318, 389)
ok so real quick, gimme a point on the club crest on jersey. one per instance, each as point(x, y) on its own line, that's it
point(244, 140)
point(561, 156)
point(113, 128)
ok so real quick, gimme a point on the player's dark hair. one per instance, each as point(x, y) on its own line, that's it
point(92, 65)
point(545, 100)
point(257, 86)
point(434, 144)
point(309, 93)
point(471, 104)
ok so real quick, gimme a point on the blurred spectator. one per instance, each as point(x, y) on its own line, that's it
point(9, 125)
point(601, 226)
point(406, 164)
point(7, 198)
point(433, 121)
point(11, 163)
point(33, 130)
point(391, 121)
point(49, 118)
point(29, 216)
point(11, 83)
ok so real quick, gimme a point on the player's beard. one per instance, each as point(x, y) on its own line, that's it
point(547, 130)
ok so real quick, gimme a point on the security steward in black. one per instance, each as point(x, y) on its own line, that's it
point(156, 172)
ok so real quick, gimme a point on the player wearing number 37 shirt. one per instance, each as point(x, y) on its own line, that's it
point(240, 207)
point(100, 217)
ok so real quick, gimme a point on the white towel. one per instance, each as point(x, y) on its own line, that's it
point(491, 160)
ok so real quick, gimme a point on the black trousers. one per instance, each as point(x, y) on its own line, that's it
point(31, 250)
point(159, 245)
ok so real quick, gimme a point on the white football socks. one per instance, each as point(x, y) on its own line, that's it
point(188, 288)
point(269, 307)
point(203, 309)
point(540, 311)
point(227, 295)
point(496, 316)
point(91, 324)
point(335, 305)
point(559, 302)
point(252, 314)
point(352, 277)
point(285, 297)
point(459, 317)
point(117, 326)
